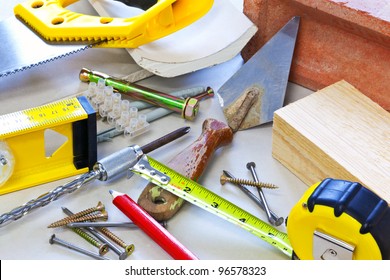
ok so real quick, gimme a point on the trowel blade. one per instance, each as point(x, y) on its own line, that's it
point(265, 74)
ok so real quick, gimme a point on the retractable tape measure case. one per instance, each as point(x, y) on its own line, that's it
point(340, 217)
point(47, 143)
point(335, 219)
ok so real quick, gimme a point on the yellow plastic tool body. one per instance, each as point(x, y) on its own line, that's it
point(303, 221)
point(25, 143)
point(54, 23)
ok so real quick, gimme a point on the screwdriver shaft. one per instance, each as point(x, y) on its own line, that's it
point(165, 139)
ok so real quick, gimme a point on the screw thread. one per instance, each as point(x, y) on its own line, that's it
point(99, 207)
point(225, 179)
point(89, 217)
point(103, 248)
point(128, 247)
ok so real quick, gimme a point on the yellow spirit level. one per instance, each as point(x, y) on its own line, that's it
point(46, 143)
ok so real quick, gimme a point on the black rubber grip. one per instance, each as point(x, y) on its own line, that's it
point(372, 212)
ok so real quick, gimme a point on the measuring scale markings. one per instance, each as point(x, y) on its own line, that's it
point(200, 196)
point(46, 115)
point(32, 136)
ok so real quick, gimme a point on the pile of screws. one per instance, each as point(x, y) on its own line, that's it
point(100, 237)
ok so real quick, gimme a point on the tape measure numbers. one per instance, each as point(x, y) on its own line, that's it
point(195, 193)
point(335, 219)
point(27, 136)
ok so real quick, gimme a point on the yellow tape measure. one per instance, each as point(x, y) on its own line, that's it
point(335, 219)
point(195, 193)
point(338, 219)
point(46, 143)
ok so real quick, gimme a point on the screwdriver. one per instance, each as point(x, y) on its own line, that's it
point(103, 170)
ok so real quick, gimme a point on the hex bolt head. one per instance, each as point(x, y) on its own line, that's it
point(191, 108)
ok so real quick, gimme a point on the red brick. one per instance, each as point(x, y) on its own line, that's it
point(337, 40)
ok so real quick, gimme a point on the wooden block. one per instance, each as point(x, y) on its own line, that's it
point(336, 132)
point(337, 40)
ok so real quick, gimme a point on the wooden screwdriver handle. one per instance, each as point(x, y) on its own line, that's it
point(191, 162)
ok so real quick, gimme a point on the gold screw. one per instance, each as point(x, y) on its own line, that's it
point(225, 179)
point(103, 247)
point(98, 207)
point(89, 217)
point(129, 248)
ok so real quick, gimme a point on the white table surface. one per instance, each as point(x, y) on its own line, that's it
point(207, 236)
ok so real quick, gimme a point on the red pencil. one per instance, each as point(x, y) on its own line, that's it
point(151, 227)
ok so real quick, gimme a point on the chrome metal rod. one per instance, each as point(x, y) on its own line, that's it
point(55, 240)
point(107, 224)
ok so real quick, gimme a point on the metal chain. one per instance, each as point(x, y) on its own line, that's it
point(46, 198)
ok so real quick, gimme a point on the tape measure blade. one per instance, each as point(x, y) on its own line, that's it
point(202, 197)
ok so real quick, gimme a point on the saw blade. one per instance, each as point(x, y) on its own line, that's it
point(262, 79)
point(22, 49)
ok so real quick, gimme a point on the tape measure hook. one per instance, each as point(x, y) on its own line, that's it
point(145, 170)
point(327, 247)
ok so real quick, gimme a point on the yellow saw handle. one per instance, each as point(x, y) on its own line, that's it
point(54, 23)
point(337, 219)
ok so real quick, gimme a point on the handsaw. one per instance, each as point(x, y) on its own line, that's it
point(63, 32)
point(251, 96)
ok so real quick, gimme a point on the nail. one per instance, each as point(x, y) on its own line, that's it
point(258, 201)
point(55, 240)
point(107, 224)
point(251, 166)
point(119, 251)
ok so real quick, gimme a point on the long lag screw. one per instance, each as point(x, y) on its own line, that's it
point(103, 247)
point(90, 217)
point(98, 208)
point(224, 179)
point(188, 108)
point(129, 248)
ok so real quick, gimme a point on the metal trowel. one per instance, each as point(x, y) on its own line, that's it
point(252, 95)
